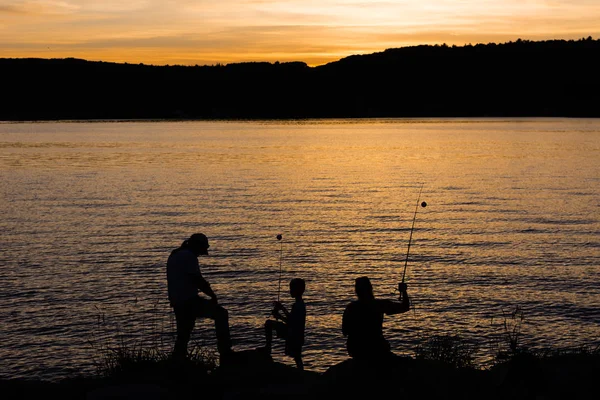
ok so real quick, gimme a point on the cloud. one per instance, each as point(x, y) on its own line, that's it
point(314, 45)
point(39, 7)
point(315, 31)
point(8, 9)
point(116, 6)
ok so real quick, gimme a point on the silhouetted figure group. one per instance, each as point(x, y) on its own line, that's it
point(362, 322)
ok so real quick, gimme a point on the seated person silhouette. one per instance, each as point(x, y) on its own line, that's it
point(289, 325)
point(362, 322)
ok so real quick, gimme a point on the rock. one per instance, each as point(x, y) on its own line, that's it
point(397, 376)
point(246, 374)
point(129, 391)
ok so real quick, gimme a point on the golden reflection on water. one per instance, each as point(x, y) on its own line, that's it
point(91, 210)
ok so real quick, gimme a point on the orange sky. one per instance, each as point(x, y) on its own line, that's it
point(201, 32)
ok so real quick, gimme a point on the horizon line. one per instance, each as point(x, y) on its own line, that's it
point(218, 64)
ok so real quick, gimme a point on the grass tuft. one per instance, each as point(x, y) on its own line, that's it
point(448, 349)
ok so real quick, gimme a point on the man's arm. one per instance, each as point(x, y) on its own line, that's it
point(193, 270)
point(204, 286)
point(392, 307)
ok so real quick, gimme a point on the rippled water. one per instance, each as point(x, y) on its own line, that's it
point(90, 212)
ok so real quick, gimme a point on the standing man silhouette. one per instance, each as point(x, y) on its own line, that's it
point(362, 322)
point(184, 281)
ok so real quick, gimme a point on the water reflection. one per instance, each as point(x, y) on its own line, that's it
point(91, 211)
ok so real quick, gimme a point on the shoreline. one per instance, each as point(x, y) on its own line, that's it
point(512, 79)
point(523, 376)
point(482, 118)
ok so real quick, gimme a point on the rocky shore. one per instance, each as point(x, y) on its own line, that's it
point(253, 375)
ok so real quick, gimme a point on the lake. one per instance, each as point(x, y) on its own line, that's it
point(91, 210)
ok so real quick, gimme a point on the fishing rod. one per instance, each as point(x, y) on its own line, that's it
point(279, 237)
point(423, 204)
point(402, 285)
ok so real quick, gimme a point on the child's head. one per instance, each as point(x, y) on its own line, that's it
point(297, 287)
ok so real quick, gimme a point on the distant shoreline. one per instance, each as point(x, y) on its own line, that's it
point(301, 120)
point(554, 78)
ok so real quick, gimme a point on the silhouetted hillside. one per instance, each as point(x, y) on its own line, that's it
point(523, 78)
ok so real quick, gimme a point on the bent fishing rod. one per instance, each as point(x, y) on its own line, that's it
point(423, 204)
point(402, 286)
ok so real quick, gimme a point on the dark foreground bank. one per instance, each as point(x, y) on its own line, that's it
point(254, 375)
point(555, 78)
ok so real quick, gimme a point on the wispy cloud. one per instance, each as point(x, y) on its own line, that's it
point(10, 9)
point(315, 31)
point(39, 7)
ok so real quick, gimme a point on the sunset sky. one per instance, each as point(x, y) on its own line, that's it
point(202, 32)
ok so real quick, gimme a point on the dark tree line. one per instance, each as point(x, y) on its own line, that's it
point(522, 78)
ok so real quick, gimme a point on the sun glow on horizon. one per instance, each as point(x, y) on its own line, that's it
point(202, 32)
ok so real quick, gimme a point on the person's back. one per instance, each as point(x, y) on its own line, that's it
point(181, 265)
point(362, 322)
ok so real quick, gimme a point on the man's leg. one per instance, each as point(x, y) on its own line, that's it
point(299, 363)
point(221, 318)
point(185, 319)
point(209, 309)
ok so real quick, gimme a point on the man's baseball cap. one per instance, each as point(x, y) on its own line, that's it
point(200, 240)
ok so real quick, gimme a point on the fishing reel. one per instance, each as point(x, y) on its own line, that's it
point(402, 287)
point(400, 290)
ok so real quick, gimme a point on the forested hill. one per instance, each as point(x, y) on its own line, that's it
point(522, 78)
